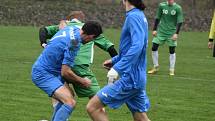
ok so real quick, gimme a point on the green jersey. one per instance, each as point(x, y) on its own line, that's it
point(169, 16)
point(86, 53)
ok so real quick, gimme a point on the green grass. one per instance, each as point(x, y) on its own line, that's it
point(188, 96)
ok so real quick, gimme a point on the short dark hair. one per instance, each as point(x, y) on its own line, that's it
point(92, 28)
point(138, 4)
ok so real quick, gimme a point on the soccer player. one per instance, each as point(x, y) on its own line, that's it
point(84, 57)
point(130, 65)
point(55, 63)
point(168, 21)
point(212, 35)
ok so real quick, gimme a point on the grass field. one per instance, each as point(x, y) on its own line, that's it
point(187, 96)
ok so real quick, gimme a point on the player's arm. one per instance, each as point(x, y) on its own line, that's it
point(106, 45)
point(71, 77)
point(46, 33)
point(67, 63)
point(180, 20)
point(157, 20)
point(43, 36)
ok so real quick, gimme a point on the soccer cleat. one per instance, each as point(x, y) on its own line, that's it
point(153, 70)
point(171, 72)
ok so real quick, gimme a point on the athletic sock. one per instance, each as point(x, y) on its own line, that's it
point(56, 108)
point(63, 113)
point(172, 59)
point(155, 58)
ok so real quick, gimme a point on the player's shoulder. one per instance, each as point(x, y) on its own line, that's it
point(163, 4)
point(176, 5)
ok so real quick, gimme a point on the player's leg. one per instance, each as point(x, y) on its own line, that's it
point(85, 72)
point(54, 87)
point(172, 60)
point(172, 55)
point(139, 105)
point(64, 95)
point(94, 109)
point(155, 46)
point(140, 116)
point(57, 104)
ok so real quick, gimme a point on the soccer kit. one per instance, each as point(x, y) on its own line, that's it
point(169, 16)
point(84, 59)
point(131, 66)
point(61, 50)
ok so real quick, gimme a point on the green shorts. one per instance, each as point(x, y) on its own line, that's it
point(161, 40)
point(84, 71)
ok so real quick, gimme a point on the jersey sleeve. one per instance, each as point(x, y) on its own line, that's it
point(212, 30)
point(102, 42)
point(180, 17)
point(159, 12)
point(52, 30)
point(68, 57)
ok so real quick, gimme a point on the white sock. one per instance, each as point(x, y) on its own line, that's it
point(155, 58)
point(172, 59)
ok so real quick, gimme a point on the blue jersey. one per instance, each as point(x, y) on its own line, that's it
point(131, 61)
point(61, 50)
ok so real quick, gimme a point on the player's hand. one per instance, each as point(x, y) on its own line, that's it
point(107, 64)
point(154, 33)
point(210, 45)
point(85, 82)
point(112, 74)
point(44, 45)
point(174, 37)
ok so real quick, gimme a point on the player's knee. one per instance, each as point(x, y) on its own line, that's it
point(70, 101)
point(90, 108)
point(171, 50)
point(155, 47)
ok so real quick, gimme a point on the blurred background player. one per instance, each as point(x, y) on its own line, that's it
point(56, 61)
point(212, 35)
point(168, 21)
point(85, 55)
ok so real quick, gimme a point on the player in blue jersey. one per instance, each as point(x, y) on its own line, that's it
point(55, 63)
point(130, 65)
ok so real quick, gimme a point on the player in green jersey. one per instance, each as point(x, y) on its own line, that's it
point(212, 35)
point(168, 21)
point(84, 57)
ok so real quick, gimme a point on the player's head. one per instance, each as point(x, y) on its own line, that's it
point(170, 2)
point(90, 31)
point(76, 14)
point(136, 3)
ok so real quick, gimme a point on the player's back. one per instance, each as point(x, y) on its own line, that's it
point(64, 43)
point(133, 48)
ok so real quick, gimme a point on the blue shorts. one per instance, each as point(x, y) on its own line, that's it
point(46, 81)
point(115, 95)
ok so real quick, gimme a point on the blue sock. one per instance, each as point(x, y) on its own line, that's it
point(63, 113)
point(56, 108)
